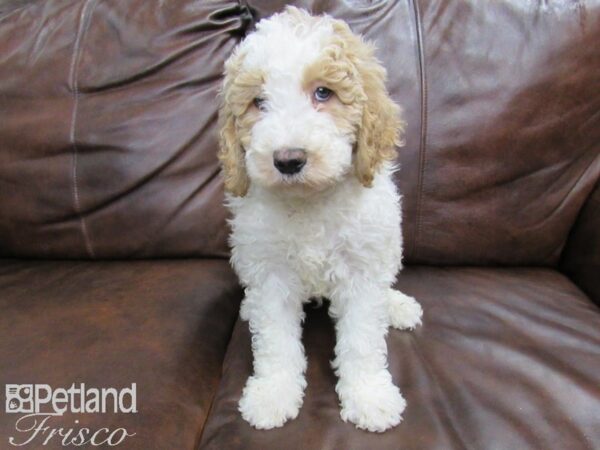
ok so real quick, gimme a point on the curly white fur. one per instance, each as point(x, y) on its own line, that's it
point(321, 233)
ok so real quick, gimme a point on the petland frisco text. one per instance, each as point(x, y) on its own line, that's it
point(39, 404)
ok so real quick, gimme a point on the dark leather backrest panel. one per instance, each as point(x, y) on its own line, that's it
point(109, 146)
point(513, 130)
point(107, 137)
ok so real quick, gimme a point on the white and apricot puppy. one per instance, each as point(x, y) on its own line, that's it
point(308, 135)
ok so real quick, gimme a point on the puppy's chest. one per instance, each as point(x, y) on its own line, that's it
point(315, 246)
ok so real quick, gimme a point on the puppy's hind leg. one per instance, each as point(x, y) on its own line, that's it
point(404, 311)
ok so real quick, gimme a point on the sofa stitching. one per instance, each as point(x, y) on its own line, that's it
point(84, 22)
point(423, 131)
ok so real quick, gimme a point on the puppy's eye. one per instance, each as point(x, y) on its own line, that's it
point(259, 102)
point(322, 94)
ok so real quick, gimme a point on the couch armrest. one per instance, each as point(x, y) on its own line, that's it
point(581, 256)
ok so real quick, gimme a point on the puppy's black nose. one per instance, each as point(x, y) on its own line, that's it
point(290, 160)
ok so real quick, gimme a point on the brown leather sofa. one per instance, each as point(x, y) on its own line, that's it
point(113, 235)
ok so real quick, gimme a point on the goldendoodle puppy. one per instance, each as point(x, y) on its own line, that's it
point(307, 142)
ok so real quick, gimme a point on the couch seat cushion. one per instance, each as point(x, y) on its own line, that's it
point(163, 325)
point(505, 359)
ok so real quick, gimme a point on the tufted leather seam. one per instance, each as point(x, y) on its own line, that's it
point(84, 21)
point(423, 131)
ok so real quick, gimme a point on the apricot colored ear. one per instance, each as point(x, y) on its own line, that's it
point(380, 129)
point(231, 155)
point(231, 152)
point(381, 125)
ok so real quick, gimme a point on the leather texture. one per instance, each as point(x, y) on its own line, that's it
point(108, 137)
point(163, 325)
point(502, 145)
point(505, 359)
point(581, 258)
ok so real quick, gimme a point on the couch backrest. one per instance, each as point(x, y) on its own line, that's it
point(108, 149)
point(107, 136)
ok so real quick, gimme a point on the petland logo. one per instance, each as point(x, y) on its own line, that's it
point(39, 403)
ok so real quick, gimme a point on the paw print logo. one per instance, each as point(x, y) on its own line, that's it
point(19, 398)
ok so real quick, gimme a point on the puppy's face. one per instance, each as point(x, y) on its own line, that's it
point(303, 106)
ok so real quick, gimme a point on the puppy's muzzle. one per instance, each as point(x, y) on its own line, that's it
point(289, 161)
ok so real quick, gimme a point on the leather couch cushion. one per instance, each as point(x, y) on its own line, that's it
point(505, 359)
point(108, 137)
point(164, 325)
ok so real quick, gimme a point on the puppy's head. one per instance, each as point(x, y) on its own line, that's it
point(304, 105)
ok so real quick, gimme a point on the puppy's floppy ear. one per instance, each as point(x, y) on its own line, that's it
point(231, 152)
point(381, 126)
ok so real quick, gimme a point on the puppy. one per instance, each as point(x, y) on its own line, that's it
point(308, 135)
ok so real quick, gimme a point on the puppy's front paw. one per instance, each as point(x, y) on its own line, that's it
point(269, 401)
point(372, 403)
point(404, 311)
